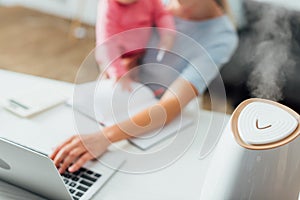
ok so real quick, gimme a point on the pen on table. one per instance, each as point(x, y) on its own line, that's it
point(15, 103)
point(102, 124)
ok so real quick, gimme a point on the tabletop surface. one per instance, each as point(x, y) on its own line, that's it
point(181, 179)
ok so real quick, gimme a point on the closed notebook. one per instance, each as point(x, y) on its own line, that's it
point(33, 101)
point(109, 104)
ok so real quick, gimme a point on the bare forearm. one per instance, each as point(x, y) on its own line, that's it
point(152, 118)
point(156, 116)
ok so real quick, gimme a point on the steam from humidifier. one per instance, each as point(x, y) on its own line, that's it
point(271, 61)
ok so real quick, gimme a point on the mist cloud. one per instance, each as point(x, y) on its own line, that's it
point(272, 61)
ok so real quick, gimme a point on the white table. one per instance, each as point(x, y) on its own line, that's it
point(181, 180)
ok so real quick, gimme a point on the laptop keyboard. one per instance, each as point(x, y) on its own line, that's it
point(80, 181)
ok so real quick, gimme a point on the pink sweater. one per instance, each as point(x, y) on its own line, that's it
point(114, 18)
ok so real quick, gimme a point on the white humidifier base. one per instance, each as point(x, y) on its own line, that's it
point(257, 156)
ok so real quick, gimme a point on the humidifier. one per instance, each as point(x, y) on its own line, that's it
point(257, 156)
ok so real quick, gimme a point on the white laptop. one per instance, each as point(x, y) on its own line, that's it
point(35, 171)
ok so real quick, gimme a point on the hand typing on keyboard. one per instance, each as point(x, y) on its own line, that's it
point(80, 181)
point(77, 150)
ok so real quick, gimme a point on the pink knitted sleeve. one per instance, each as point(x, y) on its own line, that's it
point(106, 27)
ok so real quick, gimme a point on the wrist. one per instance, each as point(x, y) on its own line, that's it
point(115, 133)
point(110, 133)
point(104, 141)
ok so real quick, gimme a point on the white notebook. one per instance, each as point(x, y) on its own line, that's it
point(108, 104)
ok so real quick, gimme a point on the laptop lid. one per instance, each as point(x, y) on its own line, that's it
point(30, 170)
